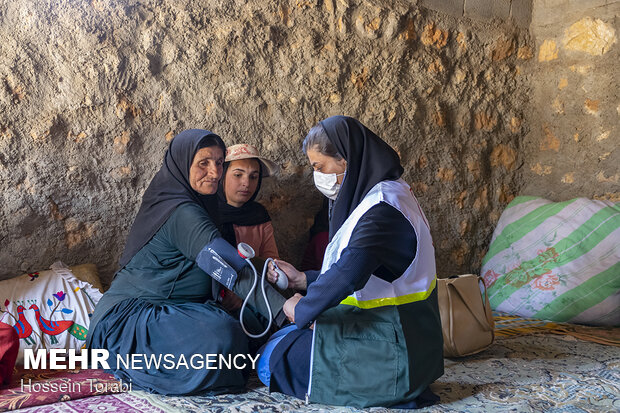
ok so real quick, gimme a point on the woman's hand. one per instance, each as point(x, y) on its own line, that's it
point(289, 307)
point(296, 279)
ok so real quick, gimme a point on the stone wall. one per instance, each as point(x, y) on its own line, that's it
point(519, 11)
point(93, 91)
point(573, 146)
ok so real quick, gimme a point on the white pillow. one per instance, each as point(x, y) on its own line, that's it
point(54, 299)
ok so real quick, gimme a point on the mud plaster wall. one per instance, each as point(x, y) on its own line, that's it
point(93, 91)
point(573, 147)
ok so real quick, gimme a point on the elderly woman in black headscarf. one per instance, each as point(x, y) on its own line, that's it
point(162, 302)
point(367, 331)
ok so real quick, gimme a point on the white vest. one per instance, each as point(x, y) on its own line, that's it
point(419, 279)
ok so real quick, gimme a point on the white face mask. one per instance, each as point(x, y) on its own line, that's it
point(327, 184)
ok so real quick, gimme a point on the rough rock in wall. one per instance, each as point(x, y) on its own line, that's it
point(573, 148)
point(93, 91)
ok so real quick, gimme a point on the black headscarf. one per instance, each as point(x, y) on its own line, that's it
point(369, 161)
point(248, 214)
point(170, 188)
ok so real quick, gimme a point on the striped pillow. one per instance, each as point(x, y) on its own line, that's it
point(557, 261)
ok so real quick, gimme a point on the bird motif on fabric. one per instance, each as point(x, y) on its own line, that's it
point(22, 326)
point(50, 327)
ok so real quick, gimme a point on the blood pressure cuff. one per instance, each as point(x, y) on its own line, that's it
point(221, 261)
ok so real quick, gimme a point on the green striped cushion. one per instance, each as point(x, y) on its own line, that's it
point(557, 261)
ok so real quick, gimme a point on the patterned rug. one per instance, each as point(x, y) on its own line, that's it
point(40, 387)
point(507, 325)
point(543, 372)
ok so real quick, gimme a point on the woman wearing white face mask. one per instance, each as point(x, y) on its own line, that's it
point(327, 183)
point(367, 332)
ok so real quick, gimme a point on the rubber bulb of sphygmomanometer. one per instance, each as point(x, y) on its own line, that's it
point(282, 281)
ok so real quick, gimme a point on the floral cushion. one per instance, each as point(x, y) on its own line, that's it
point(557, 261)
point(48, 309)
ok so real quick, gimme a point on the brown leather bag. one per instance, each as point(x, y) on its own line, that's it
point(466, 316)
